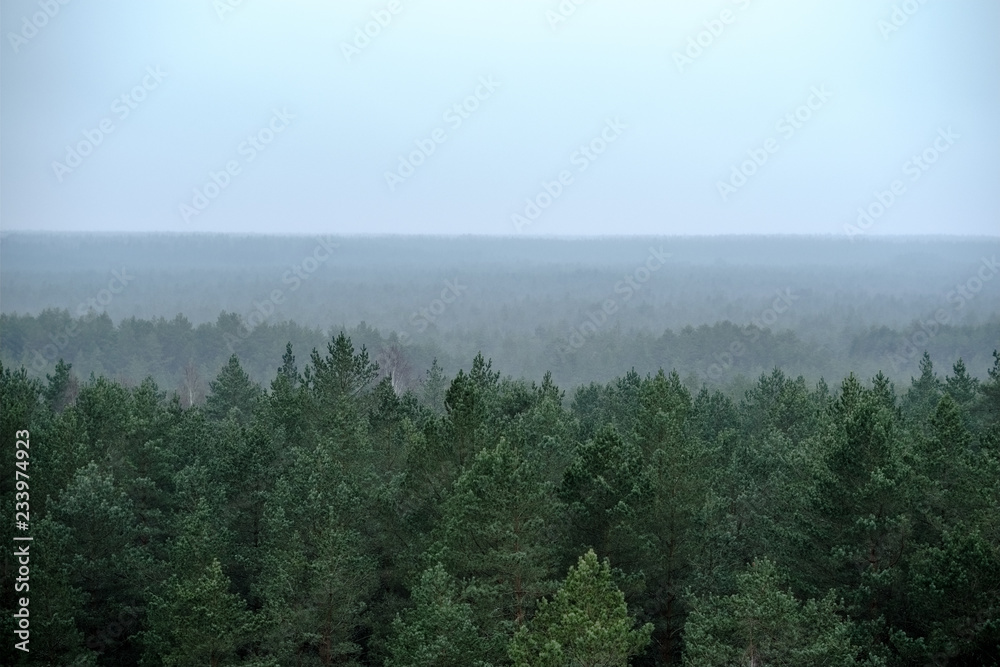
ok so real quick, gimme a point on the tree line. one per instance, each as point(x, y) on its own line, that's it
point(329, 517)
point(183, 357)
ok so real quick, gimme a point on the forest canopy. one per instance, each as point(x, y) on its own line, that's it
point(328, 517)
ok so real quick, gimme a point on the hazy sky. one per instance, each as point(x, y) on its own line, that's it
point(823, 106)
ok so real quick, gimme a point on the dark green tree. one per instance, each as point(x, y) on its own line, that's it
point(606, 488)
point(585, 623)
point(763, 624)
point(989, 407)
point(198, 621)
point(93, 528)
point(924, 393)
point(865, 503)
point(232, 389)
point(439, 630)
point(341, 373)
point(670, 523)
point(62, 388)
point(288, 401)
point(336, 382)
point(433, 388)
point(961, 386)
point(498, 532)
point(468, 402)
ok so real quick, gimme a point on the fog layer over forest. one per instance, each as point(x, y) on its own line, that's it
point(718, 310)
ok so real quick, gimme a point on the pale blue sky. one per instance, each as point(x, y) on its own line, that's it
point(325, 171)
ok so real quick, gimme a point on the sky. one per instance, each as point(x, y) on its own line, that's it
point(501, 117)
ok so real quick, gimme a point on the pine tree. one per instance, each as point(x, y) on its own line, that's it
point(336, 382)
point(989, 406)
point(320, 576)
point(198, 621)
point(606, 488)
point(585, 623)
point(954, 572)
point(439, 630)
point(865, 503)
point(386, 429)
point(762, 625)
point(92, 528)
point(953, 597)
point(961, 386)
point(63, 387)
point(289, 403)
point(543, 431)
point(60, 633)
point(341, 373)
point(924, 393)
point(433, 388)
point(232, 389)
point(945, 457)
point(670, 521)
point(468, 403)
point(497, 532)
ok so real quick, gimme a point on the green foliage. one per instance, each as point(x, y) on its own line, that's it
point(498, 532)
point(585, 623)
point(289, 403)
point(439, 630)
point(954, 599)
point(198, 621)
point(961, 386)
point(434, 387)
point(232, 390)
point(762, 624)
point(868, 496)
point(670, 527)
point(467, 403)
point(62, 388)
point(58, 628)
point(319, 579)
point(924, 392)
point(330, 519)
point(342, 373)
point(605, 487)
point(99, 541)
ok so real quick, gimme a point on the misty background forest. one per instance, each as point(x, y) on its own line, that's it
point(718, 311)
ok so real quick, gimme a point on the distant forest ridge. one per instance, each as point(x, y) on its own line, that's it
point(715, 308)
point(91, 251)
